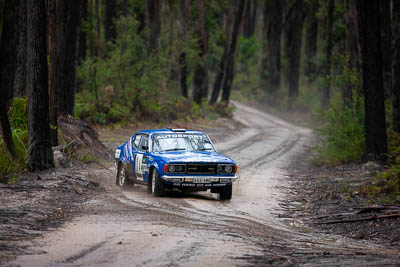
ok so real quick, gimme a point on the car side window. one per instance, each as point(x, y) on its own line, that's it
point(144, 145)
point(136, 141)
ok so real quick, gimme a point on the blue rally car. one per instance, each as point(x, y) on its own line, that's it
point(174, 158)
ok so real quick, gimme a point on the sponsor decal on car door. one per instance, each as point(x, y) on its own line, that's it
point(139, 166)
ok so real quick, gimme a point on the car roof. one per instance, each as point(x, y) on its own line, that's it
point(169, 130)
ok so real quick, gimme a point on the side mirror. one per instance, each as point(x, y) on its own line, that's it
point(145, 148)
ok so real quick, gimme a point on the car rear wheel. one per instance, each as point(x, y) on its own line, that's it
point(122, 176)
point(157, 185)
point(226, 192)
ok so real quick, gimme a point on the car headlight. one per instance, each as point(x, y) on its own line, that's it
point(228, 168)
point(220, 169)
point(176, 168)
point(225, 168)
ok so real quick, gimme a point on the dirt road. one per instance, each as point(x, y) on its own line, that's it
point(132, 228)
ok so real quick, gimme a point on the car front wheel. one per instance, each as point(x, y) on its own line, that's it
point(226, 192)
point(122, 177)
point(157, 185)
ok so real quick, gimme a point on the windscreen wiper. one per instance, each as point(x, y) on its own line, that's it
point(174, 149)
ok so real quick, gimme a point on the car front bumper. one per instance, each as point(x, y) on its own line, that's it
point(199, 179)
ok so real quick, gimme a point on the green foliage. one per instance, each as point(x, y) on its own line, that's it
point(343, 132)
point(247, 74)
point(386, 186)
point(129, 83)
point(19, 125)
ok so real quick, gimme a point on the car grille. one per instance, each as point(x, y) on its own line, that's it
point(201, 168)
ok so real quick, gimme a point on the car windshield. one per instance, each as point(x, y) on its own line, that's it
point(181, 141)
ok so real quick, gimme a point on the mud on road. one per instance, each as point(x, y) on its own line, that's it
point(132, 228)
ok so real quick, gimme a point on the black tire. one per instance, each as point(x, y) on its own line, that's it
point(226, 192)
point(122, 176)
point(156, 185)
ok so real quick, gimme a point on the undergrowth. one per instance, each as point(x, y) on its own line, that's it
point(386, 186)
point(342, 134)
point(19, 125)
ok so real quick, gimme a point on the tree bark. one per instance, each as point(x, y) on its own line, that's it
point(396, 65)
point(40, 154)
point(386, 44)
point(222, 64)
point(327, 87)
point(351, 45)
point(82, 37)
point(174, 58)
point(110, 32)
point(98, 30)
point(7, 71)
point(249, 19)
point(20, 72)
point(184, 10)
point(293, 48)
point(52, 53)
point(271, 63)
point(154, 17)
point(92, 29)
point(140, 14)
point(311, 40)
point(371, 64)
point(230, 63)
point(200, 89)
point(68, 28)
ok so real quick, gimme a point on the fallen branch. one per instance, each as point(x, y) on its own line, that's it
point(370, 218)
point(387, 209)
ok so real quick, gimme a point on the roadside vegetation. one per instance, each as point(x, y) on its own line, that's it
point(10, 167)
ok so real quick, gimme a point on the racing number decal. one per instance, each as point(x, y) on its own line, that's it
point(139, 164)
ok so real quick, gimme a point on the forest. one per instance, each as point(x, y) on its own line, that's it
point(106, 62)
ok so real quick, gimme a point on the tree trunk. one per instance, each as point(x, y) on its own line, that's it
point(249, 19)
point(92, 29)
point(110, 32)
point(173, 68)
point(327, 87)
point(140, 14)
point(200, 89)
point(82, 37)
point(311, 40)
point(271, 63)
point(222, 64)
point(98, 30)
point(184, 10)
point(371, 64)
point(52, 53)
point(20, 72)
point(68, 18)
point(40, 154)
point(386, 45)
point(396, 65)
point(8, 49)
point(7, 71)
point(154, 17)
point(293, 48)
point(351, 45)
point(230, 63)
